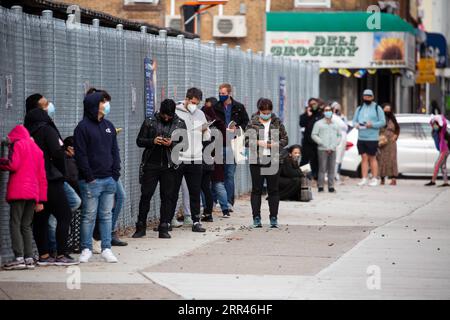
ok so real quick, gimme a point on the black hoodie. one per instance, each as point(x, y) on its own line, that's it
point(95, 143)
point(47, 137)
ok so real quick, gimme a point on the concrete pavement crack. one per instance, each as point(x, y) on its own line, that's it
point(6, 294)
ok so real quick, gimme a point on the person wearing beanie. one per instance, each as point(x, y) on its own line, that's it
point(157, 166)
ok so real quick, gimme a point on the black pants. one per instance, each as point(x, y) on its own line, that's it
point(193, 175)
point(310, 155)
point(206, 189)
point(57, 205)
point(166, 177)
point(272, 190)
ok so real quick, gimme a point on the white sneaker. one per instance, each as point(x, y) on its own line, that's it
point(109, 257)
point(85, 255)
point(363, 182)
point(96, 246)
point(188, 221)
point(175, 223)
point(374, 182)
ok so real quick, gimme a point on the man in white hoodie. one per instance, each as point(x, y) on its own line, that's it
point(191, 155)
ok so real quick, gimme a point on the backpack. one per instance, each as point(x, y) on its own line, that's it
point(358, 110)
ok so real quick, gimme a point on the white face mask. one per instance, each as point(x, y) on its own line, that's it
point(192, 107)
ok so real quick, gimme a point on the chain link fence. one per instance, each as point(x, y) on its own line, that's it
point(60, 61)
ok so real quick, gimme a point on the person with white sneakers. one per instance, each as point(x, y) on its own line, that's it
point(99, 171)
point(369, 119)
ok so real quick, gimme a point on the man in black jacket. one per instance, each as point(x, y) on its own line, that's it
point(157, 166)
point(47, 137)
point(98, 160)
point(233, 114)
point(309, 147)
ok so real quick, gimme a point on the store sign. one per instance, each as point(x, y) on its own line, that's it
point(426, 71)
point(352, 50)
point(437, 48)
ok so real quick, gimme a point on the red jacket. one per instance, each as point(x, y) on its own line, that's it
point(27, 179)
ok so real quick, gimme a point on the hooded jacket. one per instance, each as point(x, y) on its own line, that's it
point(44, 132)
point(25, 162)
point(95, 144)
point(195, 136)
point(150, 129)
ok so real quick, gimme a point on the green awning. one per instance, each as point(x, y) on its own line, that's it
point(333, 22)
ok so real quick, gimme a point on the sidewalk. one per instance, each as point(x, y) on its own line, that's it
point(321, 251)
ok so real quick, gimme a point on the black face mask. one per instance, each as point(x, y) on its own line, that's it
point(367, 102)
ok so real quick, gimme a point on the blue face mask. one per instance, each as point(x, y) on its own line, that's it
point(107, 109)
point(223, 98)
point(328, 114)
point(51, 110)
point(265, 117)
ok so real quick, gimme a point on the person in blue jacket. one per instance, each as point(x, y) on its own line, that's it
point(98, 160)
point(369, 119)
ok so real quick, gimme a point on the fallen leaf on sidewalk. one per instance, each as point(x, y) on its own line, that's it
point(331, 244)
point(233, 238)
point(230, 229)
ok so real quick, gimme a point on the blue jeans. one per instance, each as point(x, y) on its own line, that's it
point(229, 171)
point(120, 198)
point(98, 200)
point(74, 203)
point(220, 193)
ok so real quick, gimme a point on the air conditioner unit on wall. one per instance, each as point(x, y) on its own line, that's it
point(230, 27)
point(174, 22)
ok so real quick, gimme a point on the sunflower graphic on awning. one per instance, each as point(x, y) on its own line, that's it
point(389, 48)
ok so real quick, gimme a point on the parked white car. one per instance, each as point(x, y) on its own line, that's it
point(416, 151)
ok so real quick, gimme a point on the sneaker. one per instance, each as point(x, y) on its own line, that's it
point(17, 264)
point(208, 218)
point(230, 207)
point(96, 246)
point(29, 263)
point(226, 214)
point(321, 190)
point(374, 182)
point(332, 190)
point(116, 242)
point(188, 221)
point(66, 260)
point(430, 184)
point(363, 182)
point(108, 256)
point(445, 185)
point(257, 222)
point(197, 227)
point(50, 261)
point(85, 255)
point(175, 223)
point(273, 222)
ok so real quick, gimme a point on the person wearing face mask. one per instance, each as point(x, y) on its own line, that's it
point(46, 135)
point(368, 120)
point(99, 171)
point(263, 125)
point(157, 166)
point(290, 175)
point(309, 147)
point(442, 141)
point(327, 134)
point(191, 156)
point(233, 115)
point(387, 157)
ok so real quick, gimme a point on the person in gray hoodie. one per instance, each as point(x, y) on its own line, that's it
point(190, 157)
point(327, 134)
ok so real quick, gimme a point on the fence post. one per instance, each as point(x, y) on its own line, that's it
point(17, 9)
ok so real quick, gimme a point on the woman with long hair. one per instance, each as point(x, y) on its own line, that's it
point(441, 140)
point(387, 157)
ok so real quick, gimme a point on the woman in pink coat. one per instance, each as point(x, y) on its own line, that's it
point(441, 139)
point(27, 190)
